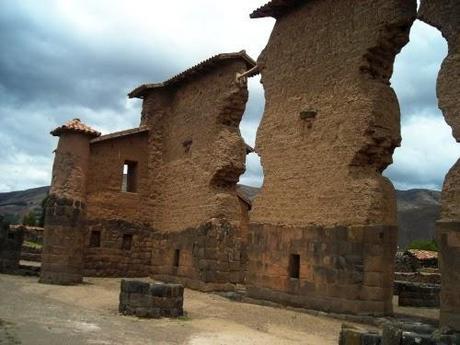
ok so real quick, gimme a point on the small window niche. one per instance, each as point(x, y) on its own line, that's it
point(95, 239)
point(127, 242)
point(294, 266)
point(129, 183)
point(176, 258)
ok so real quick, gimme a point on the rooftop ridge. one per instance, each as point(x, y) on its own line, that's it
point(76, 126)
point(275, 8)
point(188, 73)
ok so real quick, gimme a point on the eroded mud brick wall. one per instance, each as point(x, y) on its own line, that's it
point(323, 229)
point(117, 238)
point(62, 255)
point(196, 155)
point(445, 15)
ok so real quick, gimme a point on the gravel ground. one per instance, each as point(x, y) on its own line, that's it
point(36, 314)
point(33, 313)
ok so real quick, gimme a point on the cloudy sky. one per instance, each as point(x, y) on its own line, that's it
point(61, 59)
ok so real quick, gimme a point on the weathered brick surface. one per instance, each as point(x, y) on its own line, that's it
point(445, 15)
point(330, 126)
point(151, 300)
point(342, 269)
point(62, 255)
point(110, 259)
point(196, 152)
point(209, 256)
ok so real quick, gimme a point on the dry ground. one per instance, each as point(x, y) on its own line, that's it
point(33, 313)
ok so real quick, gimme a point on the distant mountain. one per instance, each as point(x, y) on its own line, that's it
point(418, 209)
point(15, 205)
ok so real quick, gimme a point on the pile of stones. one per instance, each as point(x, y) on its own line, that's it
point(398, 333)
point(148, 300)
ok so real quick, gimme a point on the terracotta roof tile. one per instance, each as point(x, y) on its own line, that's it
point(423, 254)
point(200, 68)
point(75, 126)
point(276, 8)
point(120, 134)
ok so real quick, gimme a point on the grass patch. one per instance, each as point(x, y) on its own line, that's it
point(31, 244)
point(424, 245)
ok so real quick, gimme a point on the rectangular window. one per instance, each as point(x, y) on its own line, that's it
point(129, 182)
point(95, 239)
point(176, 257)
point(127, 242)
point(294, 266)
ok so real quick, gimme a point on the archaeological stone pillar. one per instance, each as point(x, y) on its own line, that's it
point(445, 15)
point(62, 256)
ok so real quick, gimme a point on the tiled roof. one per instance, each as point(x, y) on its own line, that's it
point(276, 8)
point(124, 133)
point(200, 68)
point(75, 126)
point(423, 254)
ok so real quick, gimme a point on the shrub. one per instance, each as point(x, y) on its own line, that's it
point(424, 245)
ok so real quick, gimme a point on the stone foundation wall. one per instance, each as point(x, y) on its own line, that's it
point(151, 300)
point(205, 258)
point(448, 235)
point(341, 269)
point(62, 260)
point(417, 295)
point(124, 249)
point(10, 248)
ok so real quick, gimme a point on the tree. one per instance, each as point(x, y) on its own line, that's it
point(29, 219)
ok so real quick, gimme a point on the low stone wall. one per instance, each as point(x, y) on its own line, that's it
point(419, 277)
point(206, 258)
point(398, 333)
point(417, 294)
point(116, 248)
point(335, 269)
point(151, 300)
point(10, 248)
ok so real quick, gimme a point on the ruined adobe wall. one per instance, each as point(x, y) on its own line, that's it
point(445, 15)
point(201, 154)
point(331, 121)
point(112, 213)
point(196, 155)
point(105, 199)
point(330, 125)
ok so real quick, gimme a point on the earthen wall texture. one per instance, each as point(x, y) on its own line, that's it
point(331, 120)
point(341, 269)
point(445, 15)
point(116, 255)
point(330, 125)
point(62, 254)
point(207, 258)
point(105, 199)
point(196, 153)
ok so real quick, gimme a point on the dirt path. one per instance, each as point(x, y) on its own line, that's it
point(33, 313)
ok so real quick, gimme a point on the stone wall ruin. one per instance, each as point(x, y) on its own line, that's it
point(330, 125)
point(445, 15)
point(322, 233)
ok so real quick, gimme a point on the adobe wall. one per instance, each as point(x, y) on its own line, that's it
point(201, 154)
point(196, 155)
point(445, 15)
point(105, 198)
point(330, 125)
point(113, 213)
